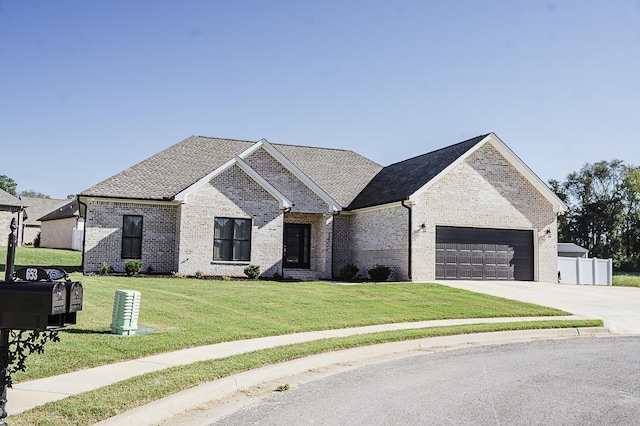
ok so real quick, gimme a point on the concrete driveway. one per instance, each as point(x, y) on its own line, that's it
point(619, 307)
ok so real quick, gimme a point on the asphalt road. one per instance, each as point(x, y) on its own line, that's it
point(565, 382)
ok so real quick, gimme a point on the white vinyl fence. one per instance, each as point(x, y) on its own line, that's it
point(578, 270)
point(76, 241)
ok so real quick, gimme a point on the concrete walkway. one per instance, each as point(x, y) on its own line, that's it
point(26, 395)
point(619, 307)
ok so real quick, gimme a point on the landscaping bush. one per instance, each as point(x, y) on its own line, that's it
point(105, 268)
point(252, 271)
point(379, 273)
point(36, 240)
point(349, 272)
point(132, 266)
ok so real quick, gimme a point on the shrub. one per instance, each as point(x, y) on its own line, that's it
point(132, 266)
point(105, 268)
point(349, 271)
point(199, 274)
point(36, 240)
point(379, 273)
point(252, 271)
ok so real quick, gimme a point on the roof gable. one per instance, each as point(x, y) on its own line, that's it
point(404, 180)
point(174, 170)
point(399, 181)
point(237, 161)
point(68, 210)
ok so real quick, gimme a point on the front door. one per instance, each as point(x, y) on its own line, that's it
point(297, 244)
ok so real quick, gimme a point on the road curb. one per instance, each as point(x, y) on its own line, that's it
point(171, 407)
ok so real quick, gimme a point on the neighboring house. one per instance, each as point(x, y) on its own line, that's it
point(10, 207)
point(472, 210)
point(35, 208)
point(572, 250)
point(62, 228)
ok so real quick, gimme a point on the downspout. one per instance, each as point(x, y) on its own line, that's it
point(84, 228)
point(284, 212)
point(409, 242)
point(333, 239)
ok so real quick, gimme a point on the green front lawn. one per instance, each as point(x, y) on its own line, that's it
point(189, 312)
point(185, 313)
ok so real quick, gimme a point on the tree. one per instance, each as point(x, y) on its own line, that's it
point(33, 194)
point(604, 211)
point(594, 195)
point(630, 223)
point(8, 184)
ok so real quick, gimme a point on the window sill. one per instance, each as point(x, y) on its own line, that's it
point(231, 262)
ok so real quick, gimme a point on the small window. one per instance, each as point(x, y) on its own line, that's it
point(232, 239)
point(131, 237)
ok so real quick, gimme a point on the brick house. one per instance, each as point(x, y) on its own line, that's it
point(10, 208)
point(472, 210)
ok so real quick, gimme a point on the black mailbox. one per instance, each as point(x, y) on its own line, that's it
point(33, 305)
point(35, 301)
point(75, 293)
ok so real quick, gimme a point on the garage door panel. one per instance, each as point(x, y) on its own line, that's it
point(484, 254)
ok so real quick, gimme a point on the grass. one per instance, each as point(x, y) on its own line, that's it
point(189, 312)
point(91, 407)
point(627, 279)
point(68, 260)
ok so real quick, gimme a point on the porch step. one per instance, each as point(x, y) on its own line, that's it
point(303, 274)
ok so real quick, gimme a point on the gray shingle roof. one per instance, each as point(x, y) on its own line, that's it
point(38, 207)
point(169, 172)
point(64, 212)
point(9, 200)
point(571, 248)
point(398, 181)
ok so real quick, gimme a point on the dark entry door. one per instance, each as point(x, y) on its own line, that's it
point(297, 244)
point(484, 254)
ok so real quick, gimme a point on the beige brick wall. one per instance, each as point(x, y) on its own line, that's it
point(5, 225)
point(379, 236)
point(230, 194)
point(103, 237)
point(303, 198)
point(187, 229)
point(58, 233)
point(484, 191)
point(341, 242)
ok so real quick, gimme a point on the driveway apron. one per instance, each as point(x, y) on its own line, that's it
point(618, 307)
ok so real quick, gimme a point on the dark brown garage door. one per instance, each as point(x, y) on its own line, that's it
point(483, 254)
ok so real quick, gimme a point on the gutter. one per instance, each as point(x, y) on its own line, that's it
point(409, 242)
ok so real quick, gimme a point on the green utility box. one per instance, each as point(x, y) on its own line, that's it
point(126, 306)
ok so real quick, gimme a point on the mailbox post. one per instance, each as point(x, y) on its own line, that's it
point(31, 299)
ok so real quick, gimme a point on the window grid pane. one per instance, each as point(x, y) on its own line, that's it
point(232, 239)
point(131, 237)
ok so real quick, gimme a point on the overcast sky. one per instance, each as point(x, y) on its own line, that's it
point(89, 88)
